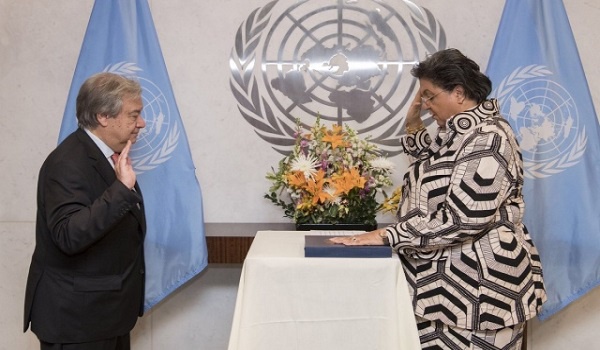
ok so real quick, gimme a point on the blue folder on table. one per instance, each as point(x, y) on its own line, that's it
point(319, 246)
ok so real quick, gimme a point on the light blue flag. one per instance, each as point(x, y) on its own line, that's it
point(543, 92)
point(121, 38)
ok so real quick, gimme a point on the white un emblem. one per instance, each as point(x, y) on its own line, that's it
point(159, 138)
point(545, 119)
point(346, 61)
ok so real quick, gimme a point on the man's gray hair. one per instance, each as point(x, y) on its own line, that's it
point(103, 94)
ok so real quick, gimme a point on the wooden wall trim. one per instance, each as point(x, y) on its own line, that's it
point(228, 243)
point(227, 250)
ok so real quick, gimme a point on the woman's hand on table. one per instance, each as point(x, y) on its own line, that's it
point(368, 238)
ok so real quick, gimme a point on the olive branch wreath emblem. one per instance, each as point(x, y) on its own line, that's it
point(153, 160)
point(542, 169)
point(256, 110)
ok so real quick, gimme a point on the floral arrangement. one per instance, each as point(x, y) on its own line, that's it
point(332, 177)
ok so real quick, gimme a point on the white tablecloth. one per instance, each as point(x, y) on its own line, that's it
point(288, 302)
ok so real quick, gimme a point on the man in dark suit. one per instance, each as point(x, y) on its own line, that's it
point(85, 288)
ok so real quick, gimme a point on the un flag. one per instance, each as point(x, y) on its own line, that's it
point(540, 84)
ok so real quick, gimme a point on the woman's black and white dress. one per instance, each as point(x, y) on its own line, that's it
point(471, 266)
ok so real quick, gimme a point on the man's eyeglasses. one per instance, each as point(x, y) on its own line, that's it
point(427, 100)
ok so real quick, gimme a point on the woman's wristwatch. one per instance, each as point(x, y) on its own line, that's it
point(384, 237)
point(415, 129)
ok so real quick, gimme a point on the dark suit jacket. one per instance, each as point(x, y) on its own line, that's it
point(86, 279)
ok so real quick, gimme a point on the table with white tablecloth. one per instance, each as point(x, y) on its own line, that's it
point(287, 301)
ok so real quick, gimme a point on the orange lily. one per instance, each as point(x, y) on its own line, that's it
point(348, 180)
point(315, 187)
point(296, 179)
point(335, 137)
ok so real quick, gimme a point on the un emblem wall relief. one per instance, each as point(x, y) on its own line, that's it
point(347, 61)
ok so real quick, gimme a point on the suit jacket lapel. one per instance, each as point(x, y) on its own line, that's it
point(100, 163)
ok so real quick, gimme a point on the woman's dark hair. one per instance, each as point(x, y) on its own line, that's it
point(450, 68)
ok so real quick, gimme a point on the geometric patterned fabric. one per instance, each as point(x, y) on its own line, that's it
point(468, 258)
point(435, 335)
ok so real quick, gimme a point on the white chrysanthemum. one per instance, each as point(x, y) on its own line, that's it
point(382, 163)
point(306, 164)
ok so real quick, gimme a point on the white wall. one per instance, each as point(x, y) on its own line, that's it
point(39, 46)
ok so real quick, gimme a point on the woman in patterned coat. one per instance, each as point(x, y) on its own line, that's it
point(474, 274)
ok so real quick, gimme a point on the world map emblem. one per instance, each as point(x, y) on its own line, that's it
point(346, 62)
point(157, 141)
point(545, 119)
